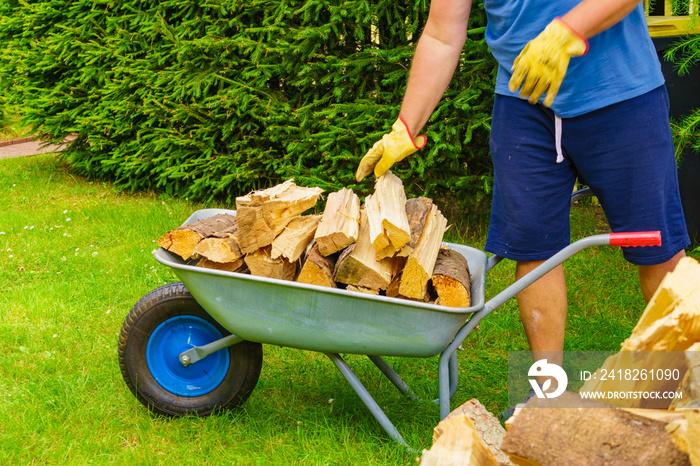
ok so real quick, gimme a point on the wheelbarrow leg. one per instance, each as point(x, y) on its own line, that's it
point(393, 377)
point(454, 374)
point(447, 365)
point(367, 399)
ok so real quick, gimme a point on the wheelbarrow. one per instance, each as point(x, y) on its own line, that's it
point(195, 347)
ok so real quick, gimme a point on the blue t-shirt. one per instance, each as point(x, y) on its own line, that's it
point(621, 62)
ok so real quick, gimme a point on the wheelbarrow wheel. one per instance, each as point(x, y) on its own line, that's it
point(163, 324)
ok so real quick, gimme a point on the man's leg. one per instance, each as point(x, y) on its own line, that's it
point(650, 276)
point(543, 308)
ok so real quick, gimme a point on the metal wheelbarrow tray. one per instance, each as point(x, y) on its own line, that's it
point(325, 319)
point(177, 356)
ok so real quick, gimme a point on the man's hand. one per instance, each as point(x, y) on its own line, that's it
point(543, 62)
point(391, 148)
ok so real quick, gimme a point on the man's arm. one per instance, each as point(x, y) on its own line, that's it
point(541, 66)
point(590, 17)
point(435, 60)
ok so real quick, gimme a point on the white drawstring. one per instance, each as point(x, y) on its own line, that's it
point(557, 138)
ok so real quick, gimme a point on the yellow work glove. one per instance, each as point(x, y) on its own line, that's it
point(543, 62)
point(391, 148)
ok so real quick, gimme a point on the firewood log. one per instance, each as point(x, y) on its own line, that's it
point(389, 230)
point(419, 267)
point(262, 264)
point(486, 425)
point(671, 320)
point(183, 240)
point(669, 325)
point(358, 264)
point(318, 269)
point(417, 210)
point(549, 431)
point(340, 223)
point(263, 214)
point(221, 247)
point(458, 445)
point(451, 279)
point(293, 240)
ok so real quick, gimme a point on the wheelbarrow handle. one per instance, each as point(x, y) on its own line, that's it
point(637, 238)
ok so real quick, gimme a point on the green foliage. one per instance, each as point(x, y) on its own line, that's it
point(685, 53)
point(212, 99)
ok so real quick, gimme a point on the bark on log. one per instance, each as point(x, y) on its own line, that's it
point(389, 230)
point(340, 223)
point(318, 269)
point(546, 433)
point(417, 210)
point(221, 247)
point(262, 264)
point(263, 214)
point(183, 240)
point(419, 267)
point(358, 264)
point(295, 237)
point(451, 279)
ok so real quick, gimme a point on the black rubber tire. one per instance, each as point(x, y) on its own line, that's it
point(159, 305)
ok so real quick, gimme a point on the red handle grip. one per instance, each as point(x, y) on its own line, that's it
point(637, 238)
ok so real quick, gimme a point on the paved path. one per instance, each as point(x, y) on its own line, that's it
point(24, 147)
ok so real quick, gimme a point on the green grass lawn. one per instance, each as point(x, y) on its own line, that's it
point(77, 255)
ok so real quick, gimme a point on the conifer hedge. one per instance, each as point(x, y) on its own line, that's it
point(214, 98)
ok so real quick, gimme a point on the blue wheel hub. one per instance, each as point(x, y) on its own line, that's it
point(176, 335)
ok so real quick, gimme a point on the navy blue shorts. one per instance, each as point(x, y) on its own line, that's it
point(625, 154)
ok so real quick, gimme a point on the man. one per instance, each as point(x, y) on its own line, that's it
point(596, 106)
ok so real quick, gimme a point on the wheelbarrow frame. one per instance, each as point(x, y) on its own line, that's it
point(211, 288)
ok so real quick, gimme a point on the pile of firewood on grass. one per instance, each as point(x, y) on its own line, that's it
point(573, 430)
point(389, 245)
